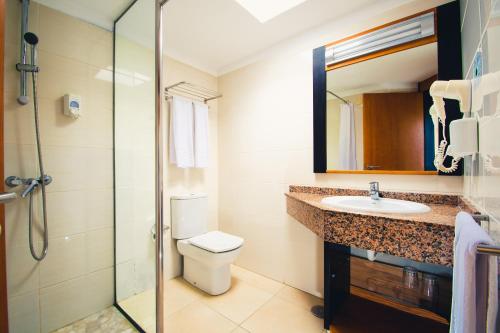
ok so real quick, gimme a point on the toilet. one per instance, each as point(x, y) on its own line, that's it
point(207, 255)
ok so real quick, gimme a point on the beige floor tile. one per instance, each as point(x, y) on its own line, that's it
point(240, 330)
point(198, 317)
point(298, 297)
point(239, 302)
point(141, 307)
point(280, 316)
point(256, 280)
point(178, 294)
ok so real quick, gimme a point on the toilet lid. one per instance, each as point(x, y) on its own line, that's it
point(216, 241)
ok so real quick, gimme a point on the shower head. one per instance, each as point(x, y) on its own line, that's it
point(31, 38)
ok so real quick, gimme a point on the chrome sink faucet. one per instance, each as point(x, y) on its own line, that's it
point(374, 191)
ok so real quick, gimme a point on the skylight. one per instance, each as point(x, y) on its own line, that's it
point(264, 10)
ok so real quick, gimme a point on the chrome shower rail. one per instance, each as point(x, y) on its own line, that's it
point(184, 88)
point(334, 94)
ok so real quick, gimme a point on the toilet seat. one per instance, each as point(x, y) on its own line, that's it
point(216, 242)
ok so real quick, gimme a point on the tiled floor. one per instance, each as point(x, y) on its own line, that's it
point(253, 304)
point(106, 321)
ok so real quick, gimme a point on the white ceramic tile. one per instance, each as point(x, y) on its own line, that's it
point(141, 307)
point(67, 166)
point(124, 241)
point(99, 290)
point(100, 166)
point(239, 302)
point(24, 313)
point(60, 76)
point(279, 316)
point(100, 87)
point(240, 330)
point(16, 223)
point(124, 280)
point(178, 294)
point(66, 213)
point(99, 249)
point(99, 203)
point(63, 303)
point(20, 160)
point(256, 280)
point(299, 297)
point(18, 119)
point(207, 320)
point(63, 35)
point(22, 270)
point(65, 260)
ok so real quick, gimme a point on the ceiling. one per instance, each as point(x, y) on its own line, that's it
point(212, 35)
point(399, 71)
point(98, 12)
point(217, 34)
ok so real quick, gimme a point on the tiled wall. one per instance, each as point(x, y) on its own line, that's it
point(265, 144)
point(76, 277)
point(481, 34)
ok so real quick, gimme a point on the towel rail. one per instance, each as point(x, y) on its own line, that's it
point(192, 90)
point(485, 248)
point(491, 250)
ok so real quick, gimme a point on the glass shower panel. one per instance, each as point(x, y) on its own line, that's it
point(134, 135)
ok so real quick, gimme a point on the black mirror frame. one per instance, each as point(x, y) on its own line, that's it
point(449, 68)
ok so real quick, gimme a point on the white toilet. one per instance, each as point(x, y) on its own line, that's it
point(207, 255)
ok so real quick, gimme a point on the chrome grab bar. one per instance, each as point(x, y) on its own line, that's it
point(7, 197)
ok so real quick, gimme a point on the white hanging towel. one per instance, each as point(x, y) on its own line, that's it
point(200, 135)
point(347, 138)
point(475, 286)
point(181, 132)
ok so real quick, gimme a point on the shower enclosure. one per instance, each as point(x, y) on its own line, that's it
point(30, 185)
point(82, 245)
point(135, 167)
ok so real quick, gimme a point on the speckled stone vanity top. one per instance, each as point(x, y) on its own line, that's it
point(426, 237)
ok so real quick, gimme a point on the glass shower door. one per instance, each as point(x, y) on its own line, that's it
point(134, 156)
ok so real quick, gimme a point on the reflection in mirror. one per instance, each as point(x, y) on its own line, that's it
point(377, 113)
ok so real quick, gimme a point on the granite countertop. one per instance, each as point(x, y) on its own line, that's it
point(426, 237)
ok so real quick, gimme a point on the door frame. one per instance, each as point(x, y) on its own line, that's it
point(4, 322)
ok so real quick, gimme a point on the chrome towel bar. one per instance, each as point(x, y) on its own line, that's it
point(184, 88)
point(485, 248)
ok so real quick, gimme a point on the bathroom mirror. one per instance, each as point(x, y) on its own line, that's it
point(371, 95)
point(377, 113)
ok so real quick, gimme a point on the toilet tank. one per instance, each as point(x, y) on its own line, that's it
point(189, 215)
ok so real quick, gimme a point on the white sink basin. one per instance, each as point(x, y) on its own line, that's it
point(383, 205)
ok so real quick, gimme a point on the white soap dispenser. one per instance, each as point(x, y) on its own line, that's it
point(72, 106)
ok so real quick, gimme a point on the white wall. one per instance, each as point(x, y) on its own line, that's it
point(265, 145)
point(76, 277)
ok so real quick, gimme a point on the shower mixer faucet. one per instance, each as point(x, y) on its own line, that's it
point(30, 183)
